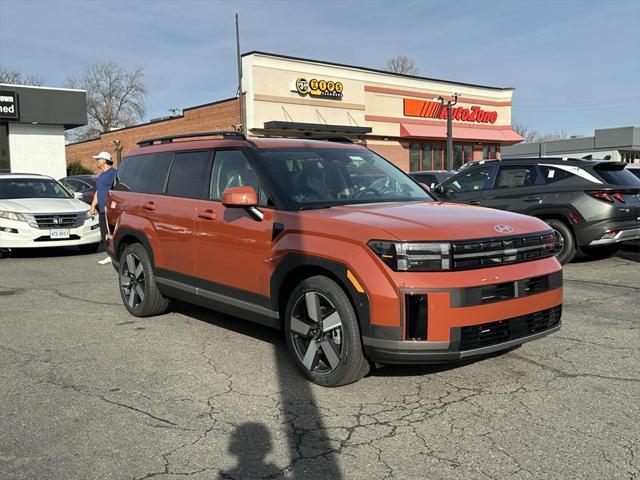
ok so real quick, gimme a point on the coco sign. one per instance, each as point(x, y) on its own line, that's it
point(430, 109)
point(9, 105)
point(319, 88)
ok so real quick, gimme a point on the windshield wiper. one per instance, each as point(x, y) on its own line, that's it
point(317, 207)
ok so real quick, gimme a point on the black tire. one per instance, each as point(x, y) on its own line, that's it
point(138, 289)
point(565, 243)
point(337, 332)
point(89, 248)
point(601, 252)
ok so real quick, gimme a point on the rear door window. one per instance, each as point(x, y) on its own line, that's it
point(516, 176)
point(552, 174)
point(187, 177)
point(144, 173)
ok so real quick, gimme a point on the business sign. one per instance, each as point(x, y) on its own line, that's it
point(9, 105)
point(319, 88)
point(431, 109)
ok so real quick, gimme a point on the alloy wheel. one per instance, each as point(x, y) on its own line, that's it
point(316, 333)
point(132, 281)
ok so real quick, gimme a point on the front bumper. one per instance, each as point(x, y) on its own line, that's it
point(623, 235)
point(467, 342)
point(21, 235)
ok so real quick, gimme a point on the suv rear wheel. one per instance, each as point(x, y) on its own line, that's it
point(322, 333)
point(138, 288)
point(565, 244)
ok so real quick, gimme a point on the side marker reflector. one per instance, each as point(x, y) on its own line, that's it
point(354, 281)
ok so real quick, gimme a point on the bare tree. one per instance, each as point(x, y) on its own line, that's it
point(402, 64)
point(531, 136)
point(115, 98)
point(15, 77)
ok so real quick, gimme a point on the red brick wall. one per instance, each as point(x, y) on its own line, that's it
point(395, 151)
point(223, 115)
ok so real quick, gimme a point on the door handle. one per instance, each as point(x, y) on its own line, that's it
point(474, 202)
point(532, 199)
point(149, 206)
point(207, 214)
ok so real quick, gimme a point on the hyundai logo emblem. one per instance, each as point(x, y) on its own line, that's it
point(503, 228)
point(56, 220)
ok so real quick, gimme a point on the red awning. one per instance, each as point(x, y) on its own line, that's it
point(503, 135)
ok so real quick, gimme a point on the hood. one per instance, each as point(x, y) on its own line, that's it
point(429, 221)
point(43, 205)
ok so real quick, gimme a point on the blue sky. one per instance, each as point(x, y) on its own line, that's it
point(575, 64)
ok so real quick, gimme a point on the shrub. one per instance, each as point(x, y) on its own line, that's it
point(75, 167)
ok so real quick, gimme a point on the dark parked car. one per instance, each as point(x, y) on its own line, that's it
point(84, 184)
point(590, 204)
point(431, 178)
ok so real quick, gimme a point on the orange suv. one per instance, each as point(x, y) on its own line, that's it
point(331, 243)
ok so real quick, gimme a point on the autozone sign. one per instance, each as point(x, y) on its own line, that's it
point(435, 109)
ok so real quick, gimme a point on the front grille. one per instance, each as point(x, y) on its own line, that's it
point(487, 334)
point(491, 252)
point(59, 220)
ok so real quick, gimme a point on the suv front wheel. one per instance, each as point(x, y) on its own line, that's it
point(322, 333)
point(138, 288)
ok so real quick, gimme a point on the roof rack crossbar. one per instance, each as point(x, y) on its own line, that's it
point(170, 138)
point(330, 138)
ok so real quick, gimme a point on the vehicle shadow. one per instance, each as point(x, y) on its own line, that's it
point(307, 441)
point(46, 252)
point(628, 251)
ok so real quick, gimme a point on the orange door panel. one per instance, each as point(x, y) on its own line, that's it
point(232, 247)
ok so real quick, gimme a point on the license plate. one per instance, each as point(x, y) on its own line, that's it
point(59, 233)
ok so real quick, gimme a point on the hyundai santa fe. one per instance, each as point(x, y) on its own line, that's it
point(284, 232)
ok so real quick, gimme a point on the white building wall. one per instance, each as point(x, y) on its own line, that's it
point(37, 149)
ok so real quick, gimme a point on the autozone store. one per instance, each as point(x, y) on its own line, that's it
point(398, 116)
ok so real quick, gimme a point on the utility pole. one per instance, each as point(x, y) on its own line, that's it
point(449, 149)
point(243, 126)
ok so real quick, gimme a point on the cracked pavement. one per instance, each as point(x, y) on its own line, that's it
point(89, 392)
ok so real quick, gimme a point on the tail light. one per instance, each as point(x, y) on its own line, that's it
point(607, 196)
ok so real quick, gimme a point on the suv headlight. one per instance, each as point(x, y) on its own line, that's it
point(413, 256)
point(19, 217)
point(87, 215)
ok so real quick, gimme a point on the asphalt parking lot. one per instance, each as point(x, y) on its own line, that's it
point(89, 392)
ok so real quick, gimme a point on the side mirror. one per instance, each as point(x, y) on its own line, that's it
point(240, 197)
point(438, 189)
point(77, 195)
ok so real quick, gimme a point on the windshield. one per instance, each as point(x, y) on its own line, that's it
point(31, 188)
point(326, 177)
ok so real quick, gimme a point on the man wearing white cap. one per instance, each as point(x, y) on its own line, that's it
point(104, 181)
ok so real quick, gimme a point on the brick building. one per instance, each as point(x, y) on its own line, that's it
point(399, 116)
point(221, 115)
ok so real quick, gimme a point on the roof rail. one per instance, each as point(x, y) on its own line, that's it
point(232, 134)
point(333, 138)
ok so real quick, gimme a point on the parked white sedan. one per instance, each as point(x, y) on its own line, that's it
point(37, 211)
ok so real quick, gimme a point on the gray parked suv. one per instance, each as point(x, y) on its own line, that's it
point(590, 204)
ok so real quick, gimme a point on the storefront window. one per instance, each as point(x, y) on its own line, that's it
point(468, 153)
point(489, 152)
point(457, 156)
point(427, 160)
point(414, 157)
point(438, 157)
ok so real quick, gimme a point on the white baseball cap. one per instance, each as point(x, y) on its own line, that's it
point(103, 155)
